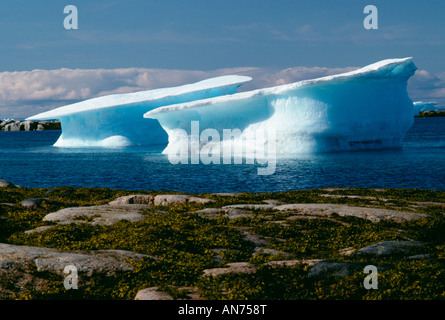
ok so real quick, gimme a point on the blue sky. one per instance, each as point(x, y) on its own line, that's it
point(204, 36)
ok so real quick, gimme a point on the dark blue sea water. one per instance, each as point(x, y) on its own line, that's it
point(29, 159)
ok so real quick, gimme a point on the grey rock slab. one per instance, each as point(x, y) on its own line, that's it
point(39, 229)
point(134, 199)
point(7, 204)
point(235, 267)
point(4, 184)
point(37, 202)
point(176, 199)
point(152, 293)
point(387, 248)
point(97, 215)
point(274, 202)
point(251, 206)
point(100, 261)
point(52, 260)
point(430, 203)
point(339, 196)
point(170, 199)
point(341, 269)
point(9, 252)
point(210, 211)
point(419, 256)
point(255, 239)
point(372, 214)
point(291, 263)
point(349, 251)
point(200, 200)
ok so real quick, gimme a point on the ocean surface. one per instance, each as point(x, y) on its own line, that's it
point(28, 159)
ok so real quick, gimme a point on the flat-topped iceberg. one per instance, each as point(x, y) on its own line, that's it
point(368, 108)
point(117, 120)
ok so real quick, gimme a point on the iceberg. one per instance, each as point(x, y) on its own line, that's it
point(368, 108)
point(117, 120)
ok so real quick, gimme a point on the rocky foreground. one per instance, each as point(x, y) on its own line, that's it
point(153, 246)
point(17, 125)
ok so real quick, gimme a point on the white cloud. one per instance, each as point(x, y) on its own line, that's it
point(23, 94)
point(26, 93)
point(424, 86)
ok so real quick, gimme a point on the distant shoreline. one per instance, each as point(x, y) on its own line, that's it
point(27, 125)
point(431, 114)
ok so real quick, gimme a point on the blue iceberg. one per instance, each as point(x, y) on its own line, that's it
point(368, 108)
point(118, 120)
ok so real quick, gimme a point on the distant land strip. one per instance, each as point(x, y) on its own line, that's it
point(17, 125)
point(430, 114)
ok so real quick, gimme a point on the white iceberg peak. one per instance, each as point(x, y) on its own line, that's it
point(363, 109)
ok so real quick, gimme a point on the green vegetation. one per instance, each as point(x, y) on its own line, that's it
point(187, 243)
